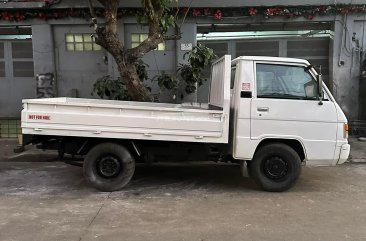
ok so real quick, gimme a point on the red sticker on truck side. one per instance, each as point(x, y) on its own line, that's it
point(245, 87)
point(39, 117)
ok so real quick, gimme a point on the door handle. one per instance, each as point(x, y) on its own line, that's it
point(263, 109)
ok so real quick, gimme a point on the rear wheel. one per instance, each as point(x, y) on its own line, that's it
point(275, 167)
point(109, 167)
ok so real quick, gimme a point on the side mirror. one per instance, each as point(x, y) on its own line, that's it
point(320, 88)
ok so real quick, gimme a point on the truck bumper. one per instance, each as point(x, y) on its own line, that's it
point(344, 153)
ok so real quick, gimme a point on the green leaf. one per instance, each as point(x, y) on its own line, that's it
point(191, 73)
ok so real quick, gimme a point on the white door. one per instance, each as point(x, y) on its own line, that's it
point(286, 107)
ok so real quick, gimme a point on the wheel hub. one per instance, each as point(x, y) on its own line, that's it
point(275, 168)
point(109, 166)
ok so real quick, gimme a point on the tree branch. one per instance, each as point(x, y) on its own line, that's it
point(186, 13)
point(111, 10)
point(106, 35)
point(91, 8)
point(148, 7)
point(93, 15)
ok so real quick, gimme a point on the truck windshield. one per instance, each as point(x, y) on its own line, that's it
point(285, 82)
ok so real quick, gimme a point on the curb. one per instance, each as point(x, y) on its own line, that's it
point(358, 160)
point(32, 156)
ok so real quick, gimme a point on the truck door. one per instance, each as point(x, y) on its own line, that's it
point(285, 106)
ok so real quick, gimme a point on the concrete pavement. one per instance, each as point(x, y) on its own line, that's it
point(358, 150)
point(49, 200)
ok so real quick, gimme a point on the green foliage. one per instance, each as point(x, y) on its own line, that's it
point(191, 73)
point(190, 77)
point(114, 89)
point(166, 20)
point(166, 81)
point(111, 89)
point(200, 56)
point(141, 69)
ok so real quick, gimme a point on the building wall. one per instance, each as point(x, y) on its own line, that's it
point(78, 71)
point(346, 64)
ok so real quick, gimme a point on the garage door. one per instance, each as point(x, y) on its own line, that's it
point(17, 79)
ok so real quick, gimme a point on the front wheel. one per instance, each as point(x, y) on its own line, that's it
point(108, 167)
point(275, 167)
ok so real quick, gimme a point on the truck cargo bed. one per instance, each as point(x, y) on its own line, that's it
point(122, 119)
point(136, 120)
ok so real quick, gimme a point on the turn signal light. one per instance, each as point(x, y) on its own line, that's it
point(345, 130)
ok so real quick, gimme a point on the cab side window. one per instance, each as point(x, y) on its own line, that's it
point(285, 82)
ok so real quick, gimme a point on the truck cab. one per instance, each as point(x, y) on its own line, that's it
point(279, 103)
point(276, 100)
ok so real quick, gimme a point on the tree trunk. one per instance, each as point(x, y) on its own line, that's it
point(107, 37)
point(130, 78)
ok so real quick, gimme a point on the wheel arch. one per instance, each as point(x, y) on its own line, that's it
point(295, 144)
point(84, 145)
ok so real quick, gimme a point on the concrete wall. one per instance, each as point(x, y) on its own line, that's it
point(43, 48)
point(80, 70)
point(349, 40)
point(360, 28)
point(76, 71)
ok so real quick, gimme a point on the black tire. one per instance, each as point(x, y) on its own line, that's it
point(275, 167)
point(108, 167)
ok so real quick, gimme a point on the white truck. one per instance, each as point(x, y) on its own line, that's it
point(270, 114)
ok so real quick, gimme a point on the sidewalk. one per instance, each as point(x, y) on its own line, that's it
point(358, 150)
point(32, 154)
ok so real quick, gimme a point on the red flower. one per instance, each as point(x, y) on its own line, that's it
point(310, 17)
point(43, 16)
point(273, 11)
point(73, 13)
point(218, 14)
point(253, 11)
point(290, 15)
point(19, 17)
point(269, 12)
point(6, 16)
point(196, 12)
point(184, 10)
point(344, 10)
point(207, 11)
point(57, 15)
